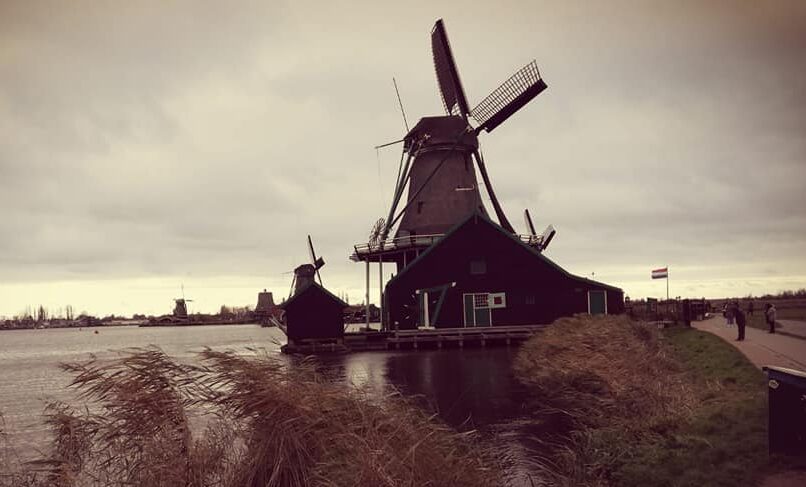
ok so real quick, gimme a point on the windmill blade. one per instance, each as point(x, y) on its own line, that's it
point(311, 253)
point(317, 262)
point(450, 87)
point(546, 237)
point(508, 98)
point(530, 227)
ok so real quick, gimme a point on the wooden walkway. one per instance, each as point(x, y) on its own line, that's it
point(417, 339)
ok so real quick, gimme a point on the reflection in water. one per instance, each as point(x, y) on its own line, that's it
point(469, 389)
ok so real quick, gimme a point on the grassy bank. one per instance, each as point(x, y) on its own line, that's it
point(632, 405)
point(257, 423)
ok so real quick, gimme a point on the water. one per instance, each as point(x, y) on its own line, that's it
point(469, 389)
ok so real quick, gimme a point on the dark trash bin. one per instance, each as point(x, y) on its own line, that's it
point(787, 410)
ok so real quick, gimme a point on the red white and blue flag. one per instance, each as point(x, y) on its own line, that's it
point(660, 273)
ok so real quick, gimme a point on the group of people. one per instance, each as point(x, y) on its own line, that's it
point(733, 312)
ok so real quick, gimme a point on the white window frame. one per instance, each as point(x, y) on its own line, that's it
point(488, 308)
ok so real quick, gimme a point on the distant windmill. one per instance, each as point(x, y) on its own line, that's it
point(180, 306)
point(539, 241)
point(307, 273)
point(438, 171)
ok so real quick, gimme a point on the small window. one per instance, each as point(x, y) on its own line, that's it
point(530, 299)
point(478, 267)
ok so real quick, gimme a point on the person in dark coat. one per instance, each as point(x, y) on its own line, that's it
point(741, 321)
point(750, 309)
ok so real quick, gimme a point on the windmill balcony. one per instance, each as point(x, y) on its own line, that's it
point(392, 249)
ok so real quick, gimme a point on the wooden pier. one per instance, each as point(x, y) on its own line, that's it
point(416, 339)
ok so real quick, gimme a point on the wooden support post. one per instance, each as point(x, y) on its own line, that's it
point(367, 295)
point(380, 289)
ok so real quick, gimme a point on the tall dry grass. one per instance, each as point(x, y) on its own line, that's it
point(235, 421)
point(600, 385)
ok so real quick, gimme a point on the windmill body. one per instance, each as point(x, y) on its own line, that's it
point(442, 186)
point(303, 276)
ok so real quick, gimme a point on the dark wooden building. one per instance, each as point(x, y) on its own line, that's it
point(479, 274)
point(313, 313)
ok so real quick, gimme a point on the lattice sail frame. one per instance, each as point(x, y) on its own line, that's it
point(508, 98)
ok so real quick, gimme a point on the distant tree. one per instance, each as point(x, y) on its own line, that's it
point(225, 312)
point(68, 313)
point(41, 314)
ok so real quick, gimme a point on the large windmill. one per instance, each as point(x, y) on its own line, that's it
point(439, 158)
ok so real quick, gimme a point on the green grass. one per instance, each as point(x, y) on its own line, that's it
point(641, 407)
point(724, 440)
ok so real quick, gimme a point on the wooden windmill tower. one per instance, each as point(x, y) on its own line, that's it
point(180, 311)
point(440, 158)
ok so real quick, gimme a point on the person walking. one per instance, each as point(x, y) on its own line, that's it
point(740, 322)
point(750, 309)
point(771, 315)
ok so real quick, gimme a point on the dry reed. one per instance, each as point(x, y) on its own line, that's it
point(600, 384)
point(263, 423)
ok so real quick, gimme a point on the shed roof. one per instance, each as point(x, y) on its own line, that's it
point(308, 288)
point(477, 215)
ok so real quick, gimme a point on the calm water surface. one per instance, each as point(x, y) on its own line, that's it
point(470, 389)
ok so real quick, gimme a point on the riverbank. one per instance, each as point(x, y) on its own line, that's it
point(633, 405)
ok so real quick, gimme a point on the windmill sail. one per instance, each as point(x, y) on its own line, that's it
point(450, 87)
point(530, 227)
point(316, 262)
point(508, 98)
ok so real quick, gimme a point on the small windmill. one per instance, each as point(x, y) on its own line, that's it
point(438, 171)
point(539, 241)
point(307, 273)
point(180, 306)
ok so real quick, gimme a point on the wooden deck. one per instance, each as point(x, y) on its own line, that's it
point(417, 339)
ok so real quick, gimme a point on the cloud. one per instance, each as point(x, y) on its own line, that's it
point(169, 141)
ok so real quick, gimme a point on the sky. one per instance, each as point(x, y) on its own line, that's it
point(146, 146)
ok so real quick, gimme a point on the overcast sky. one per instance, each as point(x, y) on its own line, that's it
point(148, 144)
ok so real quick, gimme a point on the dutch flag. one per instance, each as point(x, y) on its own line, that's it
point(660, 273)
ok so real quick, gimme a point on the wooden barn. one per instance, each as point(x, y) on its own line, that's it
point(479, 274)
point(313, 313)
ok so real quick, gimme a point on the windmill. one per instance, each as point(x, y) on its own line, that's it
point(538, 241)
point(439, 152)
point(307, 273)
point(180, 306)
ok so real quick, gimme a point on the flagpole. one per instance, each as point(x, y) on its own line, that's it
point(667, 283)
